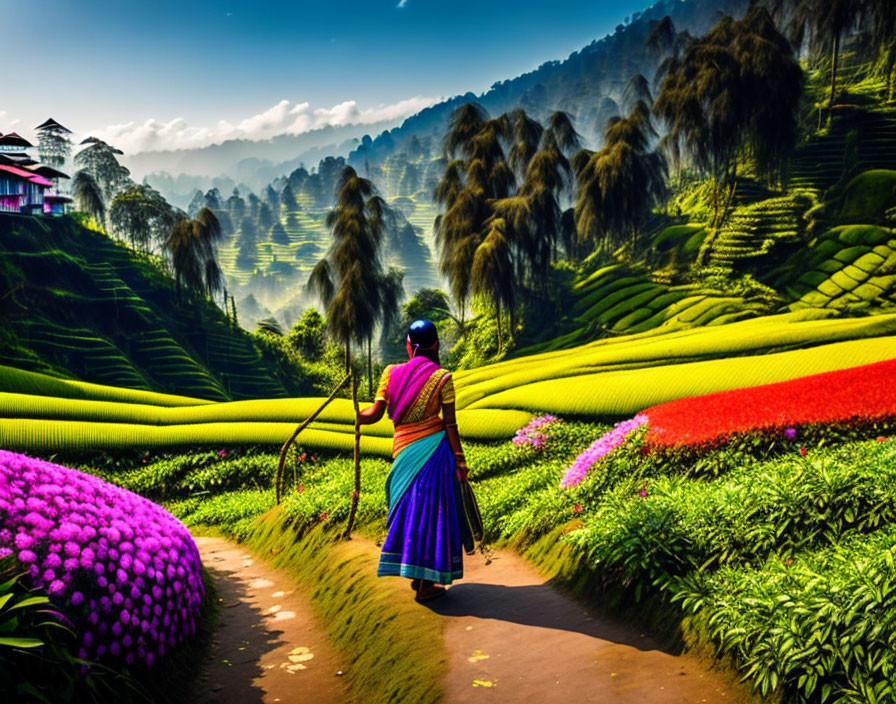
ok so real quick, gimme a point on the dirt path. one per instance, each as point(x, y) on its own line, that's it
point(268, 647)
point(510, 637)
point(513, 638)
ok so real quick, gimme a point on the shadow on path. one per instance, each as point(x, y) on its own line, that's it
point(240, 641)
point(537, 605)
point(268, 646)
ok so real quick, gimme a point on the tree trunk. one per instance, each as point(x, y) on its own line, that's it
point(348, 357)
point(356, 494)
point(370, 365)
point(512, 315)
point(834, 54)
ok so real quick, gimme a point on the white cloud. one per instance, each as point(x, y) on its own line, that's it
point(282, 118)
point(402, 3)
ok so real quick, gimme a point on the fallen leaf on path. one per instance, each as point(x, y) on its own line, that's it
point(477, 656)
point(483, 683)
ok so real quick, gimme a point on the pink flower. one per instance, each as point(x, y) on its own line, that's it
point(222, 453)
point(324, 516)
point(601, 448)
point(881, 438)
point(577, 508)
point(790, 433)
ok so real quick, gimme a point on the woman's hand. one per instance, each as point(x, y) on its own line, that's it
point(463, 472)
point(372, 414)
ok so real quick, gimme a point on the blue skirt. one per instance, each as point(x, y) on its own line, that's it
point(426, 526)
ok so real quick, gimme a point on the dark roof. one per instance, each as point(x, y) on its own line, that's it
point(56, 198)
point(49, 171)
point(20, 159)
point(91, 140)
point(14, 140)
point(52, 123)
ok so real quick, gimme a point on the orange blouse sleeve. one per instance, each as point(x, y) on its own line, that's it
point(384, 382)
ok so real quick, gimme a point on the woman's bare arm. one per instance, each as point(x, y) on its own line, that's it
point(449, 415)
point(372, 414)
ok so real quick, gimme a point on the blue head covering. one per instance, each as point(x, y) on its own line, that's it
point(424, 338)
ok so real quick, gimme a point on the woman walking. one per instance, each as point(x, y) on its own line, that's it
point(426, 527)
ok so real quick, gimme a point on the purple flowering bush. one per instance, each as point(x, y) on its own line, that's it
point(533, 434)
point(601, 447)
point(121, 568)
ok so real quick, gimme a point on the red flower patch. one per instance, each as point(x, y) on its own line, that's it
point(863, 394)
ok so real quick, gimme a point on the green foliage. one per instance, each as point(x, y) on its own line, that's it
point(868, 196)
point(37, 646)
point(309, 335)
point(781, 506)
point(817, 628)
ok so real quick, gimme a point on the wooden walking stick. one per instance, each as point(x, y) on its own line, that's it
point(357, 491)
point(304, 425)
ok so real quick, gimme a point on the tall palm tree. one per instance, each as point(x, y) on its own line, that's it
point(192, 251)
point(348, 280)
point(493, 272)
point(617, 186)
point(89, 196)
point(391, 293)
point(827, 22)
point(735, 90)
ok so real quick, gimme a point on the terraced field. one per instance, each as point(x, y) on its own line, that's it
point(81, 305)
point(616, 377)
point(755, 231)
point(603, 380)
point(853, 265)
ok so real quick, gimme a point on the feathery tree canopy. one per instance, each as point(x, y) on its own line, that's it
point(499, 197)
point(191, 249)
point(348, 280)
point(89, 196)
point(100, 161)
point(734, 92)
point(617, 186)
point(142, 216)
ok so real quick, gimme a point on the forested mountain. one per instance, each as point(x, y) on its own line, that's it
point(269, 258)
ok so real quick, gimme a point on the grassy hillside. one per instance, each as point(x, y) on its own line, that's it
point(75, 304)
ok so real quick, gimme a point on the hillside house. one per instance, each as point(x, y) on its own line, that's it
point(27, 186)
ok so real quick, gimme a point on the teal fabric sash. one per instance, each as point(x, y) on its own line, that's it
point(407, 466)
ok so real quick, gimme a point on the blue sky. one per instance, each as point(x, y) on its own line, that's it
point(188, 72)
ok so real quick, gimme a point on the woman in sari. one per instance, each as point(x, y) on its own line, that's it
point(426, 527)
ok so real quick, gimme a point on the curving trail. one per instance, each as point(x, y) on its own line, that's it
point(510, 638)
point(513, 638)
point(269, 646)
